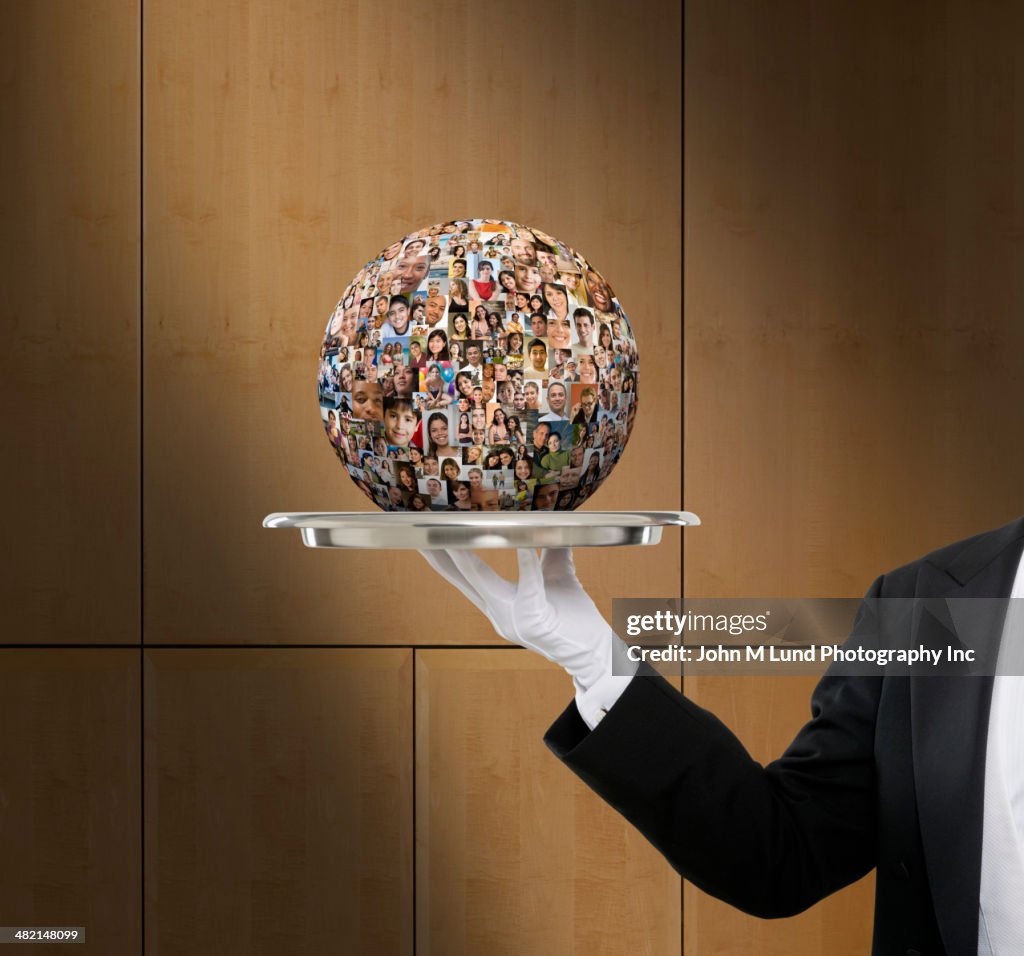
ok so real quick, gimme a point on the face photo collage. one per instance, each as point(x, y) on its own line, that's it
point(478, 365)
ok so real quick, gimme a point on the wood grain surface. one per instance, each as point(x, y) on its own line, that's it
point(69, 248)
point(278, 801)
point(853, 358)
point(289, 144)
point(70, 782)
point(514, 854)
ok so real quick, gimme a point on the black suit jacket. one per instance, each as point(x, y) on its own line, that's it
point(888, 773)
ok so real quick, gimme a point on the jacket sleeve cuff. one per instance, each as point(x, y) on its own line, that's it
point(643, 707)
point(595, 702)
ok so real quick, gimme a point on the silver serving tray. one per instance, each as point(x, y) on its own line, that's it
point(477, 530)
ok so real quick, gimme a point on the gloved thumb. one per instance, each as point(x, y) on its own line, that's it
point(558, 564)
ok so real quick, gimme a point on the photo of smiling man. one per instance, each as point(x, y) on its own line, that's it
point(584, 322)
point(524, 251)
point(397, 323)
point(537, 355)
point(585, 407)
point(547, 264)
point(367, 401)
point(436, 491)
point(474, 365)
point(410, 271)
point(435, 307)
point(557, 402)
point(401, 421)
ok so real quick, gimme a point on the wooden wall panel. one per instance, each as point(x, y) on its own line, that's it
point(69, 214)
point(70, 821)
point(291, 142)
point(514, 853)
point(853, 345)
point(278, 802)
point(854, 349)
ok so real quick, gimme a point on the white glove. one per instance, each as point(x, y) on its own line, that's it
point(549, 612)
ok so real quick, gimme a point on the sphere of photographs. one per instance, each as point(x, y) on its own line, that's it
point(478, 365)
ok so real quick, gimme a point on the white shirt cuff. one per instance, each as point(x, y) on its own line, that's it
point(594, 703)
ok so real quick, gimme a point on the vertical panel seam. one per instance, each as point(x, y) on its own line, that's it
point(142, 487)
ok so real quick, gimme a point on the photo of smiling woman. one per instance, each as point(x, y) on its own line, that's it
point(484, 286)
point(464, 433)
point(464, 385)
point(437, 346)
point(439, 436)
point(405, 477)
point(450, 469)
point(598, 291)
point(478, 328)
point(559, 321)
point(498, 432)
point(435, 392)
point(345, 378)
point(507, 281)
point(495, 326)
point(333, 431)
point(460, 493)
point(458, 295)
point(592, 468)
point(515, 431)
point(403, 380)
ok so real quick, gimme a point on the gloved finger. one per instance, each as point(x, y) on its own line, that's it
point(490, 585)
point(534, 619)
point(557, 564)
point(531, 578)
point(442, 563)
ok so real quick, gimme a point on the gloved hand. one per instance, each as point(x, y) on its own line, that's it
point(547, 611)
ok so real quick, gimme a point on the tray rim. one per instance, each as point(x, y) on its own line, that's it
point(479, 531)
point(476, 519)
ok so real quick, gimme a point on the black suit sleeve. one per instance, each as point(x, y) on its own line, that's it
point(770, 840)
